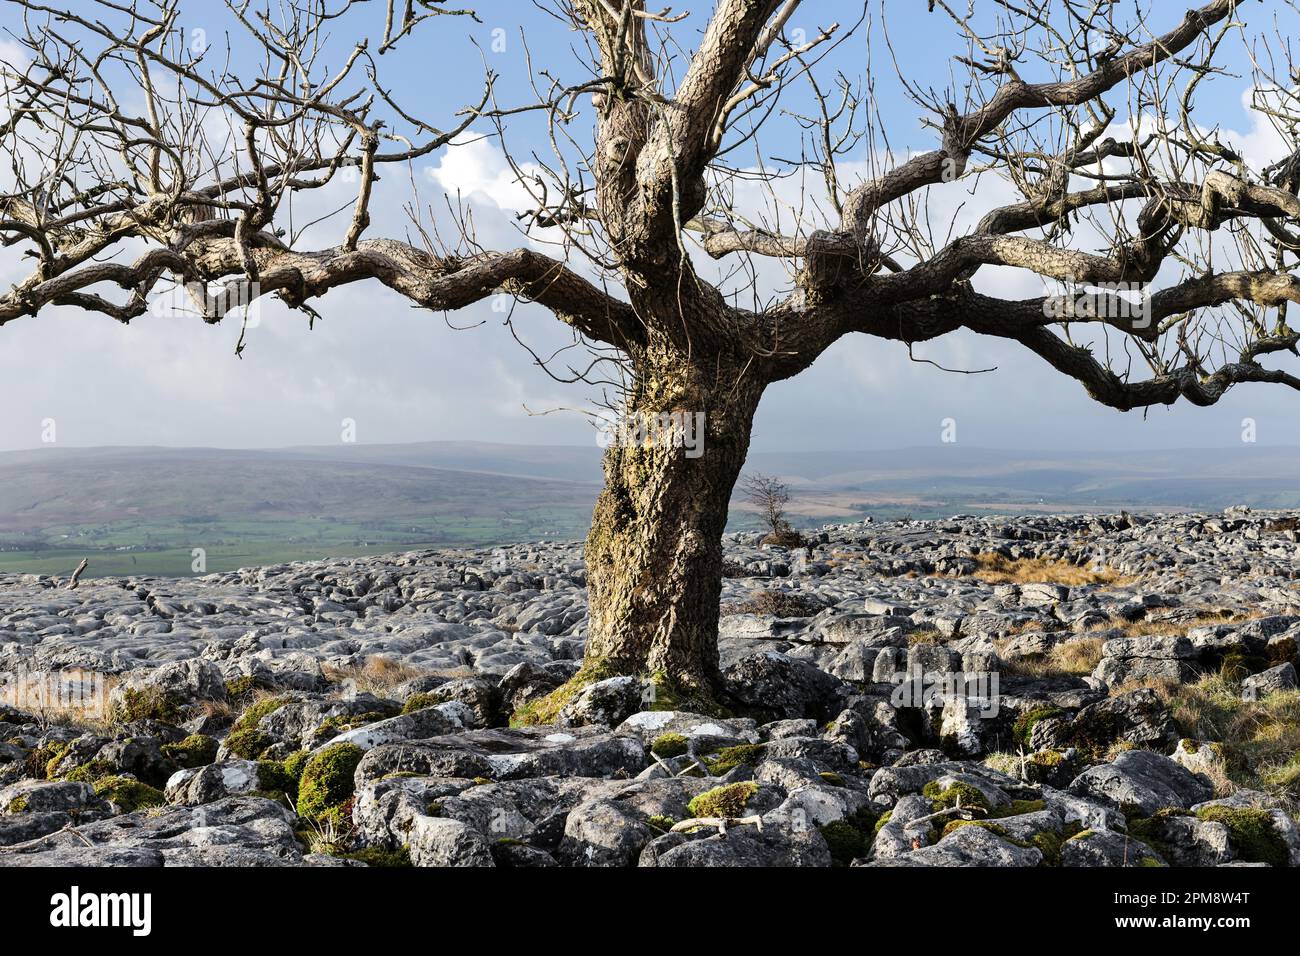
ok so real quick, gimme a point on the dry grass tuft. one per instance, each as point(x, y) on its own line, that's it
point(925, 636)
point(68, 698)
point(380, 674)
point(776, 604)
point(1010, 764)
point(1173, 628)
point(217, 708)
point(994, 568)
point(1079, 656)
point(1260, 738)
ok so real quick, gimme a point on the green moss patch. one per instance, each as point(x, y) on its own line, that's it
point(670, 745)
point(1147, 830)
point(1252, 833)
point(89, 772)
point(850, 838)
point(421, 701)
point(145, 703)
point(1017, 807)
point(38, 762)
point(296, 763)
point(546, 710)
point(952, 826)
point(273, 778)
point(252, 716)
point(327, 781)
point(670, 695)
point(248, 743)
point(1049, 842)
point(725, 801)
point(963, 794)
point(342, 723)
point(728, 758)
point(387, 859)
point(196, 750)
point(128, 794)
point(845, 841)
point(1023, 728)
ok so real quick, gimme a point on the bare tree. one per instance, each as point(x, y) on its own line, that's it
point(770, 495)
point(195, 187)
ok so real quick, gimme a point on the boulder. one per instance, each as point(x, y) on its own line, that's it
point(480, 695)
point(236, 831)
point(649, 725)
point(778, 684)
point(1147, 780)
point(1107, 848)
point(603, 833)
point(1271, 681)
point(182, 683)
point(526, 682)
point(965, 846)
point(436, 721)
point(384, 811)
point(1138, 717)
point(608, 702)
point(1146, 658)
point(434, 841)
point(192, 788)
point(741, 846)
point(1188, 841)
point(511, 754)
point(54, 796)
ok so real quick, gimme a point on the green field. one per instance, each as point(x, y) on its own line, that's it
point(163, 547)
point(144, 513)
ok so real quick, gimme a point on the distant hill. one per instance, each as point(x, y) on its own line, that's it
point(97, 486)
point(145, 509)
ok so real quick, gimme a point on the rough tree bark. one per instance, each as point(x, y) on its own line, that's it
point(654, 553)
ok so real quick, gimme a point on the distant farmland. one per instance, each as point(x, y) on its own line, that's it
point(144, 510)
point(141, 514)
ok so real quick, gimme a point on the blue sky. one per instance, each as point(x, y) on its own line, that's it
point(404, 375)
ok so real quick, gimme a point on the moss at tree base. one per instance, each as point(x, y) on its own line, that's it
point(668, 694)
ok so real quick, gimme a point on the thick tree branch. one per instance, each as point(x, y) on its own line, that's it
point(433, 283)
point(730, 45)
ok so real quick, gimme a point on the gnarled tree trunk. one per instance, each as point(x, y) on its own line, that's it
point(654, 554)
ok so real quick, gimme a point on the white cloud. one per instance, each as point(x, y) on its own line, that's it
point(476, 168)
point(13, 56)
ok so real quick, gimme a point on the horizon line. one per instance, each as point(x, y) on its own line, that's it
point(55, 446)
